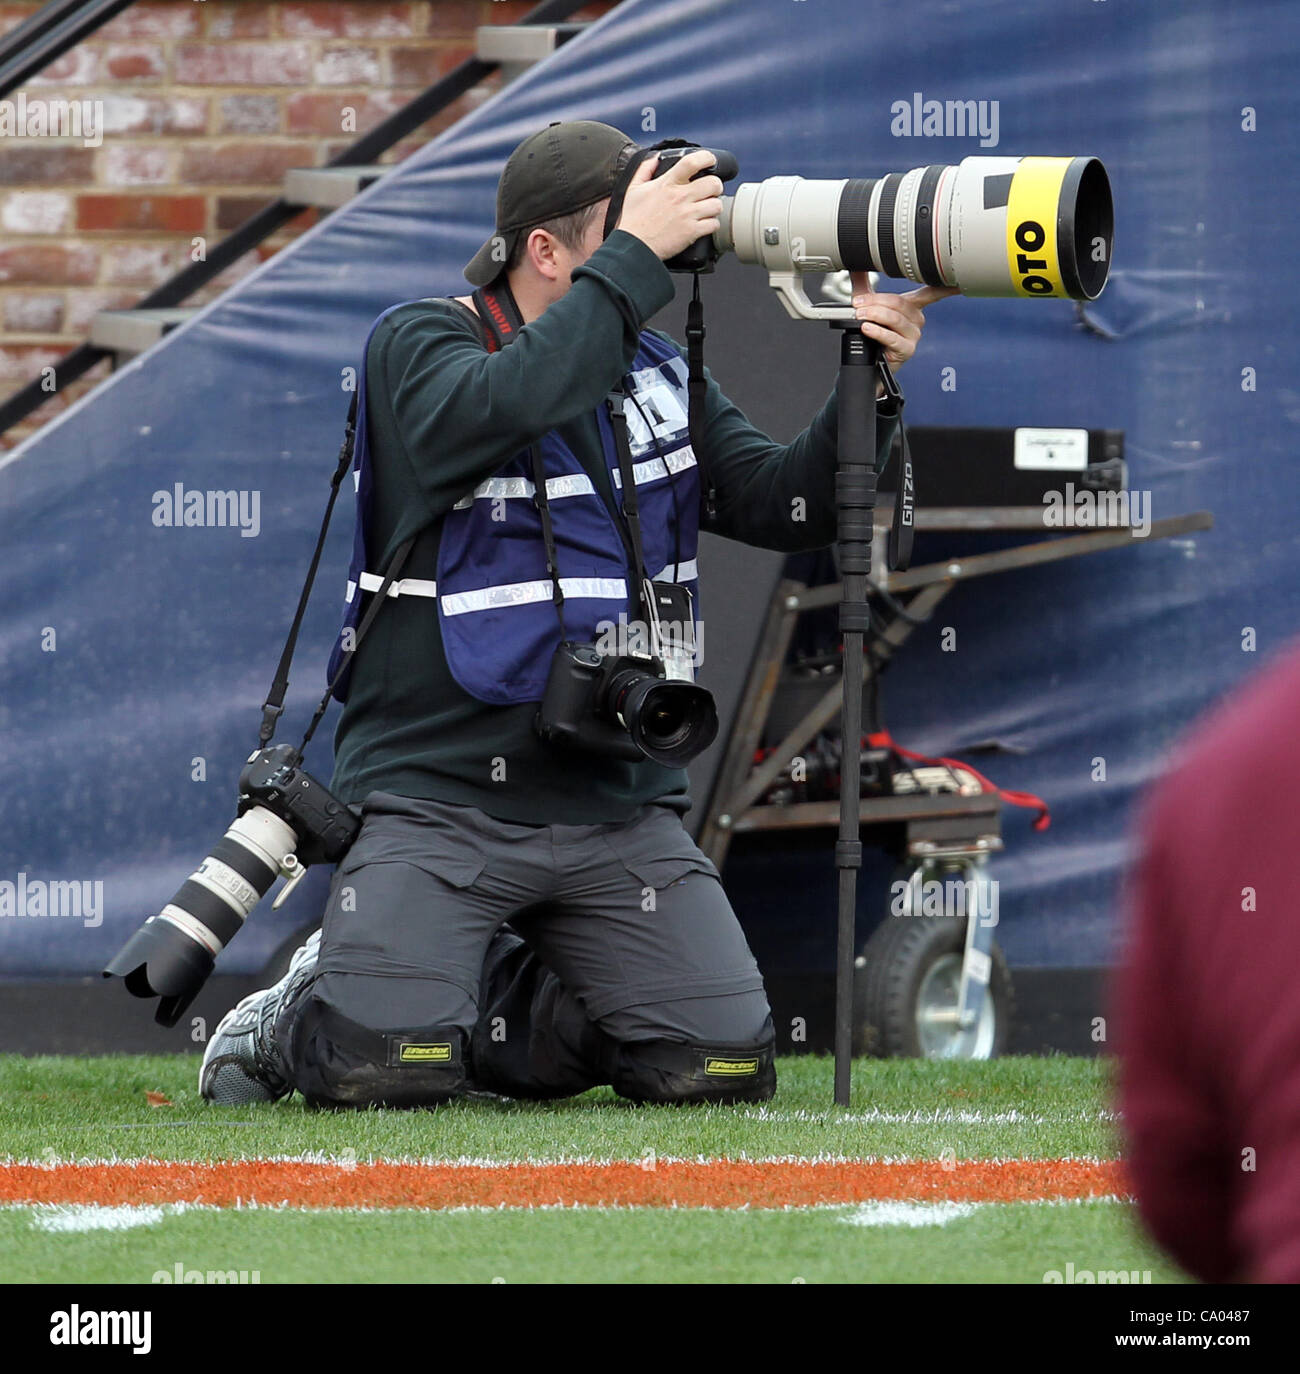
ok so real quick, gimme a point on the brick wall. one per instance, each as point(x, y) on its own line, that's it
point(207, 104)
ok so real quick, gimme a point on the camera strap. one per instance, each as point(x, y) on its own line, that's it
point(665, 608)
point(615, 403)
point(543, 504)
point(273, 706)
point(381, 595)
point(696, 388)
point(890, 407)
point(628, 161)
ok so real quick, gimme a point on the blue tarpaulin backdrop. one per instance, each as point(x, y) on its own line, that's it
point(135, 656)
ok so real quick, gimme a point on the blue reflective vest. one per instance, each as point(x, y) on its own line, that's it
point(495, 598)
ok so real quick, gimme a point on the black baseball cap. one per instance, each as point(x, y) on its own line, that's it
point(556, 171)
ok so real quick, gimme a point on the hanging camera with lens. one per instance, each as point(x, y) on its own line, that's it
point(287, 821)
point(629, 705)
point(625, 706)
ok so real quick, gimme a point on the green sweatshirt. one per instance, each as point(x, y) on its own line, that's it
point(445, 415)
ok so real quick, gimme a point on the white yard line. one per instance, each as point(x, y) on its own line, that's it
point(61, 1218)
point(911, 1214)
point(940, 1116)
point(915, 1214)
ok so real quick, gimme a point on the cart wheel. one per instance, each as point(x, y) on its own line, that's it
point(906, 985)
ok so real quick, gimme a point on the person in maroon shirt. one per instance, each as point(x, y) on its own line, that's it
point(1207, 998)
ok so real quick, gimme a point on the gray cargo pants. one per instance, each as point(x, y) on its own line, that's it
point(632, 969)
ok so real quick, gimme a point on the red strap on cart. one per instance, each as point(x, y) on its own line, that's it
point(884, 740)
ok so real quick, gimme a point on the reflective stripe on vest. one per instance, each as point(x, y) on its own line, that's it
point(528, 591)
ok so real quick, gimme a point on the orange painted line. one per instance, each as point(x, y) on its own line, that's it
point(680, 1183)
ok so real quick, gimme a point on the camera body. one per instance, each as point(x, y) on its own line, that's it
point(624, 706)
point(576, 686)
point(323, 825)
point(701, 255)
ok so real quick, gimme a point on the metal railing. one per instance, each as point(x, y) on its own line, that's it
point(62, 24)
point(48, 34)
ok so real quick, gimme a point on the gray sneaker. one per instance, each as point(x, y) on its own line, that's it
point(241, 1063)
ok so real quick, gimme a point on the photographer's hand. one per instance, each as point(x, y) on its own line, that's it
point(895, 322)
point(670, 212)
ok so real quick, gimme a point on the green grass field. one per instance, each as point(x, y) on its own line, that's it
point(55, 1110)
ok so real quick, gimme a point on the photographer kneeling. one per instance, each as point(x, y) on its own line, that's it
point(622, 962)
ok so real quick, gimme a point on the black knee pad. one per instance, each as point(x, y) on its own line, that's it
point(339, 1063)
point(673, 1071)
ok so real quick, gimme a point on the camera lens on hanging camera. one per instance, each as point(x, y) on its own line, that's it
point(287, 821)
point(669, 721)
point(172, 954)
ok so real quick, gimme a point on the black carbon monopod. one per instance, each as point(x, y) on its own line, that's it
point(855, 499)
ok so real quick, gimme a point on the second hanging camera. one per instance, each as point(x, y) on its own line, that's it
point(624, 706)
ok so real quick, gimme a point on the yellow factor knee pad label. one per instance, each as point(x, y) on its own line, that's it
point(424, 1054)
point(731, 1068)
point(1032, 255)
